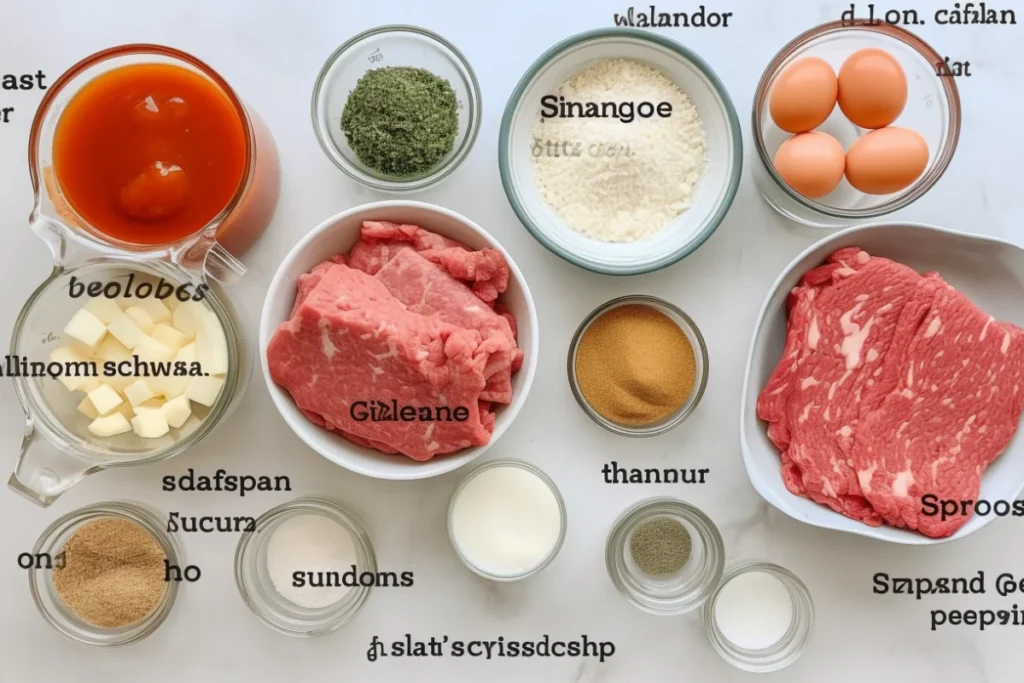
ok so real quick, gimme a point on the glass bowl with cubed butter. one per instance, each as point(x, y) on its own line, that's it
point(120, 363)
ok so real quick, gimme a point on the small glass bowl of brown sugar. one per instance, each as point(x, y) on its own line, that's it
point(99, 574)
point(638, 366)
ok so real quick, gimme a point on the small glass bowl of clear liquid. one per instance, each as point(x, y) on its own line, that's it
point(932, 109)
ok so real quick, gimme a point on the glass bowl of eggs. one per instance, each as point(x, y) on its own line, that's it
point(852, 120)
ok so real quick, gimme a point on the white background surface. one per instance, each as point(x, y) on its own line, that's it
point(271, 52)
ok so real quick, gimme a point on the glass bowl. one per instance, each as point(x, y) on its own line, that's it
point(259, 594)
point(563, 517)
point(52, 607)
point(712, 197)
point(932, 109)
point(384, 46)
point(782, 653)
point(682, 592)
point(700, 351)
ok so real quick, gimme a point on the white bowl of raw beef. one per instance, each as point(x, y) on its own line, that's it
point(983, 268)
point(337, 235)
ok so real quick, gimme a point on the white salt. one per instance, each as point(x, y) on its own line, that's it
point(754, 610)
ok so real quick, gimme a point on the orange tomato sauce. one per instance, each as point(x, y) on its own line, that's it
point(149, 153)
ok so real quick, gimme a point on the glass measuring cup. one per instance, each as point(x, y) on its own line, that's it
point(57, 449)
point(213, 248)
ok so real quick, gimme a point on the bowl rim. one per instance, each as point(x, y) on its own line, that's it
point(449, 462)
point(910, 538)
point(713, 221)
point(923, 184)
point(381, 183)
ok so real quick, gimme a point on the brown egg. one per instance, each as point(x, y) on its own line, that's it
point(811, 163)
point(886, 160)
point(872, 88)
point(804, 95)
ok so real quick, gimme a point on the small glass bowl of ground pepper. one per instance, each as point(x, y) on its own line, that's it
point(99, 574)
point(638, 366)
point(397, 108)
point(665, 556)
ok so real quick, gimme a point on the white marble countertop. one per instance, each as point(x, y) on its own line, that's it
point(271, 51)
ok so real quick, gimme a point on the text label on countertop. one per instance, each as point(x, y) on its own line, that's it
point(1006, 585)
point(9, 82)
point(613, 474)
point(650, 17)
point(501, 648)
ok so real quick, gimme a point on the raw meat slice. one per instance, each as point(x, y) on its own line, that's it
point(956, 405)
point(485, 271)
point(891, 385)
point(350, 332)
point(843, 318)
point(429, 290)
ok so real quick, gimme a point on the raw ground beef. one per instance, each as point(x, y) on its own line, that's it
point(886, 379)
point(400, 318)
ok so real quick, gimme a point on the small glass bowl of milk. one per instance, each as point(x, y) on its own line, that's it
point(506, 520)
point(760, 617)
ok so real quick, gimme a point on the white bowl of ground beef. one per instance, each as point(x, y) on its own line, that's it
point(337, 235)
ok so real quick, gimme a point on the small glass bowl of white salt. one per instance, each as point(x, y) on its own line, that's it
point(760, 617)
point(311, 536)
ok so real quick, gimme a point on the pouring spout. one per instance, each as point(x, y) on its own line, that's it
point(44, 471)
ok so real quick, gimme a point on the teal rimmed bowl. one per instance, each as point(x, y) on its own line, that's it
point(715, 191)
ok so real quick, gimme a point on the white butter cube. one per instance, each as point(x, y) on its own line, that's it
point(78, 370)
point(186, 354)
point(111, 425)
point(85, 407)
point(104, 399)
point(103, 308)
point(172, 302)
point(173, 387)
point(112, 349)
point(149, 349)
point(125, 330)
point(89, 384)
point(150, 424)
point(156, 309)
point(204, 389)
point(151, 404)
point(125, 409)
point(86, 329)
point(177, 411)
point(188, 317)
point(169, 336)
point(170, 387)
point(141, 317)
point(212, 346)
point(138, 392)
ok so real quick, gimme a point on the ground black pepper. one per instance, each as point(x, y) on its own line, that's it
point(660, 546)
point(401, 120)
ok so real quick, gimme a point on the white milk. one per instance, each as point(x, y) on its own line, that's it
point(506, 521)
point(754, 610)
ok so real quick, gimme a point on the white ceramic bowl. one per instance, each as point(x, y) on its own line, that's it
point(983, 268)
point(337, 234)
point(714, 194)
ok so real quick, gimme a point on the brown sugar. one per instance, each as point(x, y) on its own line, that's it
point(113, 573)
point(635, 366)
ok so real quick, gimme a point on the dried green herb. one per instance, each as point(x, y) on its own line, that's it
point(401, 120)
point(660, 546)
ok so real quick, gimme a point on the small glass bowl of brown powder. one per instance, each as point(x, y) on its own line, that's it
point(638, 366)
point(665, 556)
point(107, 584)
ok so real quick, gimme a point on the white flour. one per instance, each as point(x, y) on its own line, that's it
point(620, 182)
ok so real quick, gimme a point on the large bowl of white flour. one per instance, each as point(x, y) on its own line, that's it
point(620, 151)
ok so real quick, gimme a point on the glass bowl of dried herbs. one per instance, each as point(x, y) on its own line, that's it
point(397, 108)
